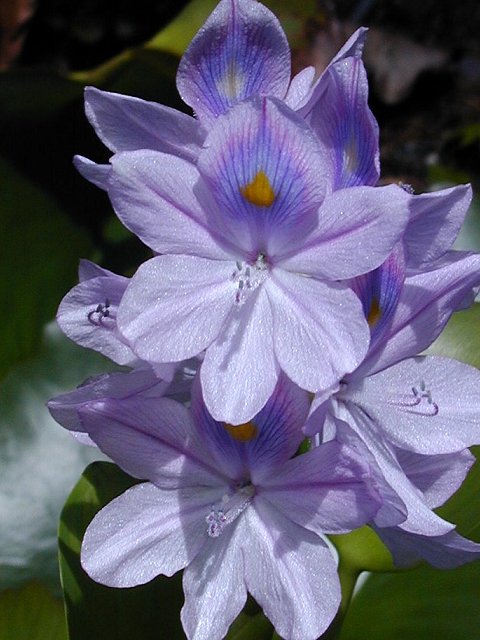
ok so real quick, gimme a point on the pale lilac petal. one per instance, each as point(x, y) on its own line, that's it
point(345, 125)
point(176, 306)
point(88, 315)
point(357, 229)
point(240, 371)
point(124, 123)
point(214, 586)
point(425, 305)
point(320, 332)
point(328, 490)
point(88, 270)
point(95, 173)
point(299, 87)
point(427, 405)
point(436, 219)
point(264, 169)
point(145, 532)
point(259, 446)
point(291, 573)
point(151, 439)
point(152, 194)
point(240, 51)
point(437, 476)
point(444, 552)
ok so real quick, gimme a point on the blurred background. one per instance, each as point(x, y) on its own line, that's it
point(423, 61)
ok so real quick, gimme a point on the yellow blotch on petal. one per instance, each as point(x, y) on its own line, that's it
point(374, 314)
point(242, 432)
point(259, 191)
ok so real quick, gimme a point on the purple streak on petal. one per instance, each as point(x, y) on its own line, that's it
point(267, 441)
point(146, 532)
point(323, 325)
point(176, 306)
point(124, 123)
point(379, 292)
point(435, 221)
point(447, 551)
point(417, 401)
point(437, 476)
point(425, 306)
point(240, 371)
point(214, 585)
point(356, 231)
point(88, 315)
point(327, 490)
point(240, 51)
point(152, 194)
point(263, 138)
point(95, 173)
point(345, 125)
point(291, 574)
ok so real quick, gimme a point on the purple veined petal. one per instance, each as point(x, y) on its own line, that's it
point(437, 476)
point(299, 87)
point(264, 170)
point(144, 533)
point(345, 125)
point(95, 173)
point(240, 371)
point(151, 439)
point(240, 51)
point(88, 316)
point(435, 221)
point(260, 445)
point(88, 270)
point(214, 586)
point(65, 407)
point(124, 123)
point(327, 490)
point(152, 194)
point(424, 307)
point(291, 573)
point(353, 48)
point(447, 551)
point(427, 405)
point(420, 518)
point(320, 332)
point(176, 306)
point(380, 290)
point(356, 231)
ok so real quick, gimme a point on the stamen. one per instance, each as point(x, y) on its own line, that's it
point(248, 277)
point(421, 398)
point(99, 314)
point(232, 506)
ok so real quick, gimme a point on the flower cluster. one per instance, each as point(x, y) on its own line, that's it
point(281, 273)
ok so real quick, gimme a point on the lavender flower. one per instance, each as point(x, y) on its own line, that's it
point(228, 504)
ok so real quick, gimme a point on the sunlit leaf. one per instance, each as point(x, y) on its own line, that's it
point(362, 550)
point(31, 613)
point(461, 337)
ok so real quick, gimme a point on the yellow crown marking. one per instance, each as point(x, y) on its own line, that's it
point(374, 314)
point(259, 191)
point(242, 432)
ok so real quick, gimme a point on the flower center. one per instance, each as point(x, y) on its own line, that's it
point(248, 277)
point(229, 510)
point(101, 315)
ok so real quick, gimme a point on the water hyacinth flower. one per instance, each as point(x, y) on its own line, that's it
point(231, 506)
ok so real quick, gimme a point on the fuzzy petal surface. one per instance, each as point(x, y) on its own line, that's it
point(240, 51)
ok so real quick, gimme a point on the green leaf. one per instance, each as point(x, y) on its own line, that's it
point(31, 613)
point(461, 337)
point(39, 460)
point(421, 604)
point(362, 550)
point(39, 251)
point(97, 612)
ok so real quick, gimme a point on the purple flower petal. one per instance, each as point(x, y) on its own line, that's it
point(240, 51)
point(265, 171)
point(176, 306)
point(427, 404)
point(345, 125)
point(300, 87)
point(356, 231)
point(291, 574)
point(95, 173)
point(320, 332)
point(152, 194)
point(124, 123)
point(145, 532)
point(88, 270)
